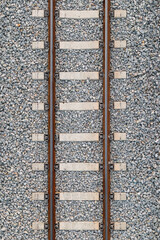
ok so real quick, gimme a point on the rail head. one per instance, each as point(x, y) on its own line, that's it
point(106, 121)
point(51, 119)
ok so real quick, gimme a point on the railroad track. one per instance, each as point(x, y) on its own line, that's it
point(79, 155)
point(85, 167)
point(79, 122)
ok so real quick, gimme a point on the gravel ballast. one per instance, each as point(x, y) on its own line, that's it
point(139, 120)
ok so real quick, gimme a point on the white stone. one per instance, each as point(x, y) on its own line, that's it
point(119, 196)
point(119, 166)
point(79, 196)
point(119, 105)
point(38, 226)
point(79, 75)
point(38, 196)
point(37, 106)
point(78, 137)
point(79, 225)
point(120, 226)
point(38, 45)
point(79, 166)
point(79, 45)
point(37, 13)
point(37, 137)
point(119, 75)
point(79, 14)
point(119, 136)
point(38, 75)
point(120, 44)
point(120, 13)
point(79, 106)
point(38, 166)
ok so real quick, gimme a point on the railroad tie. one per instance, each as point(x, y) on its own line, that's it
point(78, 196)
point(79, 75)
point(38, 225)
point(38, 106)
point(38, 45)
point(38, 137)
point(119, 105)
point(38, 196)
point(73, 45)
point(79, 167)
point(79, 106)
point(38, 75)
point(121, 226)
point(79, 14)
point(38, 166)
point(119, 13)
point(75, 226)
point(120, 74)
point(119, 166)
point(119, 136)
point(120, 43)
point(37, 13)
point(79, 137)
point(119, 196)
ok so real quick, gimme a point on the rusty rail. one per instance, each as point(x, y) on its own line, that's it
point(106, 122)
point(51, 119)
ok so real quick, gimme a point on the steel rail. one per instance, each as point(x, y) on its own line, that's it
point(51, 182)
point(51, 150)
point(106, 181)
